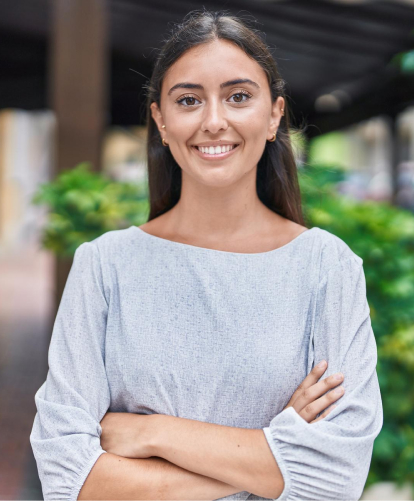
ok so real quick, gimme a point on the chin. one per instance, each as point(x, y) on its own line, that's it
point(219, 179)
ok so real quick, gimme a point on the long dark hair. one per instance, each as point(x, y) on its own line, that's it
point(277, 178)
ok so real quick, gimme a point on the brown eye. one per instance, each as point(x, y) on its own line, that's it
point(238, 97)
point(184, 101)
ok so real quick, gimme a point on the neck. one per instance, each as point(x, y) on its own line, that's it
point(220, 214)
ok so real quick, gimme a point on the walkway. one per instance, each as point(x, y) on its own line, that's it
point(25, 305)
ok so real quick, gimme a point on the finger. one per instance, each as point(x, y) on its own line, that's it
point(324, 414)
point(309, 395)
point(310, 411)
point(312, 378)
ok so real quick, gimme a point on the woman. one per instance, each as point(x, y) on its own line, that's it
point(183, 360)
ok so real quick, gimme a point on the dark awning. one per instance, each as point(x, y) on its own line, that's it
point(334, 56)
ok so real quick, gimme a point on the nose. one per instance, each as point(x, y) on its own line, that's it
point(214, 118)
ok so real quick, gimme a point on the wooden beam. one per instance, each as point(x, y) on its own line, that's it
point(78, 89)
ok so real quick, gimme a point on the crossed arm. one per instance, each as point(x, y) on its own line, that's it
point(178, 458)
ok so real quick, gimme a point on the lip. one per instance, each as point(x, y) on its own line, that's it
point(216, 143)
point(218, 156)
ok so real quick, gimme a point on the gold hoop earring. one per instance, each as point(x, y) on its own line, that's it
point(273, 138)
point(164, 143)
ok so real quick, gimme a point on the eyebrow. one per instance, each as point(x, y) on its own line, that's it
point(186, 85)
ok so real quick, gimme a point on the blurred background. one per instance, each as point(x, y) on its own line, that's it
point(73, 166)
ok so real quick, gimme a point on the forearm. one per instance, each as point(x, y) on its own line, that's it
point(235, 456)
point(115, 477)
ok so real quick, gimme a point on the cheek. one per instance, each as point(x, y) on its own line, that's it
point(183, 125)
point(251, 122)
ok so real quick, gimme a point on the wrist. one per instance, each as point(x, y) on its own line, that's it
point(152, 434)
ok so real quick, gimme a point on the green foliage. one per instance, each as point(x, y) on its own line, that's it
point(83, 205)
point(383, 236)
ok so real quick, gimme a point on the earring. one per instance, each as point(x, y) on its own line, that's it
point(163, 140)
point(283, 113)
point(273, 138)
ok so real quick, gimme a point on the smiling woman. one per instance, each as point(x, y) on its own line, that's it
point(193, 340)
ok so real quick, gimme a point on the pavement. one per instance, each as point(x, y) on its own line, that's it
point(26, 295)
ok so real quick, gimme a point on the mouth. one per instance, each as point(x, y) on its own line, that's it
point(215, 152)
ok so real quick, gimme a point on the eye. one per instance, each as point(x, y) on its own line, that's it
point(240, 95)
point(184, 99)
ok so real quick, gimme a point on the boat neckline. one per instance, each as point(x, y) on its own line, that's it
point(173, 243)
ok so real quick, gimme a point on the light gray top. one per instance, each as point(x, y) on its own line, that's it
point(151, 326)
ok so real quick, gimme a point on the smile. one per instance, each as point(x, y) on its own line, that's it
point(215, 152)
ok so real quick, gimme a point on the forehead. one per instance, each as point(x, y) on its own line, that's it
point(213, 63)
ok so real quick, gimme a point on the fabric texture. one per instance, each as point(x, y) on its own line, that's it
point(150, 326)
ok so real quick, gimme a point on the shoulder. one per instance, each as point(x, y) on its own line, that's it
point(113, 239)
point(110, 246)
point(113, 249)
point(335, 253)
point(340, 279)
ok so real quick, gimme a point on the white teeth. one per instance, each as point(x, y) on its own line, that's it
point(211, 150)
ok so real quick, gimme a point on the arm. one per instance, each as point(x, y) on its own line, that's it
point(65, 437)
point(236, 456)
point(116, 477)
point(330, 459)
point(66, 432)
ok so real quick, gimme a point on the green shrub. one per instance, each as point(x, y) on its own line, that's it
point(83, 205)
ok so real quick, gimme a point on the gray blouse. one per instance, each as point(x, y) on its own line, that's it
point(151, 326)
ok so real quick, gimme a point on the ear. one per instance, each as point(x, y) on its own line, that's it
point(276, 116)
point(157, 116)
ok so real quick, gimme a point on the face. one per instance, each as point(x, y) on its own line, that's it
point(216, 127)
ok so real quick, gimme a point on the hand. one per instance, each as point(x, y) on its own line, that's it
point(126, 434)
point(305, 400)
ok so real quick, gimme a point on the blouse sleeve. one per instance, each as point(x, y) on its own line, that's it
point(65, 437)
point(330, 459)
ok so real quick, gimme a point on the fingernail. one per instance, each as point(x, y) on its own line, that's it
point(339, 390)
point(322, 364)
point(339, 376)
